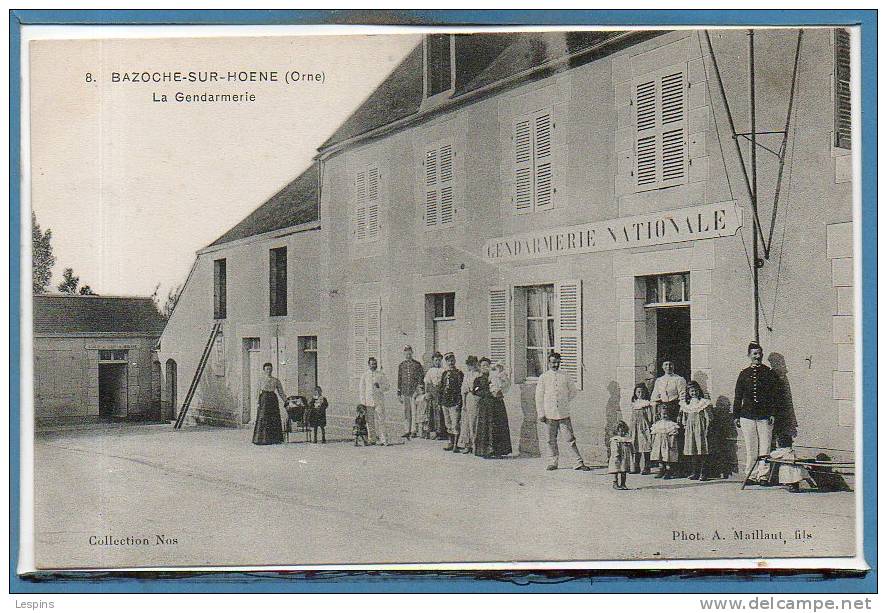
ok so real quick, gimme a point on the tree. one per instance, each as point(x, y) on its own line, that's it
point(171, 299)
point(87, 291)
point(42, 258)
point(69, 282)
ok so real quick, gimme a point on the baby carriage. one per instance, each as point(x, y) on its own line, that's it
point(297, 416)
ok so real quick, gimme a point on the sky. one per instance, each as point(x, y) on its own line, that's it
point(132, 187)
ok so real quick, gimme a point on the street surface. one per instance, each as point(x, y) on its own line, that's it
point(213, 498)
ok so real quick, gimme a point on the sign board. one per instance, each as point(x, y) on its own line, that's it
point(657, 228)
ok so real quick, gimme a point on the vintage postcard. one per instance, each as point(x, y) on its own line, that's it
point(508, 298)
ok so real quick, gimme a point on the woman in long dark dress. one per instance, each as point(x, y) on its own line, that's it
point(493, 436)
point(268, 429)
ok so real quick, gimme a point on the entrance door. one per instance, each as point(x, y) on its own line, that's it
point(307, 364)
point(252, 375)
point(673, 339)
point(113, 400)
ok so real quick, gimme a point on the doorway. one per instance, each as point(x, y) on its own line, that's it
point(113, 388)
point(252, 371)
point(307, 365)
point(172, 383)
point(673, 339)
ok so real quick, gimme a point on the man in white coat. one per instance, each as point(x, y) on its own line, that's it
point(371, 394)
point(554, 392)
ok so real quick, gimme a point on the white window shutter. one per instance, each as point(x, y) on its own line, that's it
point(569, 328)
point(373, 224)
point(361, 205)
point(499, 324)
point(647, 137)
point(660, 101)
point(359, 337)
point(374, 329)
point(543, 179)
point(432, 195)
point(673, 123)
point(523, 165)
point(445, 181)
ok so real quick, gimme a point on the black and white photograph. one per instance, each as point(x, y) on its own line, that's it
point(457, 298)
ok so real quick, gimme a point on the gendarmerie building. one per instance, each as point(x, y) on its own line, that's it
point(586, 192)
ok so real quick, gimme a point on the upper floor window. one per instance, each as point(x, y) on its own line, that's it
point(439, 63)
point(440, 209)
point(277, 281)
point(660, 105)
point(220, 289)
point(842, 88)
point(367, 187)
point(533, 172)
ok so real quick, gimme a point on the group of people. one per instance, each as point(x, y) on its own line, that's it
point(269, 428)
point(467, 409)
point(670, 425)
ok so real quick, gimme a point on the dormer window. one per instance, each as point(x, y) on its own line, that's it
point(440, 73)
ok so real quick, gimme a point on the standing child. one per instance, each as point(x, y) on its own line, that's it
point(621, 452)
point(317, 413)
point(695, 418)
point(665, 443)
point(641, 420)
point(360, 427)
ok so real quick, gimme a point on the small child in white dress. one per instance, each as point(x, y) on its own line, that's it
point(621, 452)
point(695, 418)
point(665, 443)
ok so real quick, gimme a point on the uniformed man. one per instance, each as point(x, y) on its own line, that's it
point(755, 406)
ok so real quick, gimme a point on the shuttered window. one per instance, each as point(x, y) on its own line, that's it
point(219, 355)
point(660, 103)
point(533, 172)
point(842, 88)
point(367, 184)
point(438, 189)
point(220, 289)
point(547, 317)
point(277, 281)
point(366, 331)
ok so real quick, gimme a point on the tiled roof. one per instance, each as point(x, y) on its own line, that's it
point(481, 60)
point(75, 314)
point(293, 205)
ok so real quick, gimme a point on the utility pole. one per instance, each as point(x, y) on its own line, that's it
point(756, 262)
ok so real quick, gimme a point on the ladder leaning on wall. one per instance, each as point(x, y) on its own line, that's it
point(201, 366)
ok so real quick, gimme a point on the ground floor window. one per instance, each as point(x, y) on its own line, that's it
point(529, 322)
point(540, 327)
point(441, 323)
point(113, 355)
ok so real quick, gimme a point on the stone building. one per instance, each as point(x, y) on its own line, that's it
point(512, 194)
point(94, 358)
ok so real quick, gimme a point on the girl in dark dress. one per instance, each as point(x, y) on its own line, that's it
point(317, 413)
point(268, 429)
point(493, 436)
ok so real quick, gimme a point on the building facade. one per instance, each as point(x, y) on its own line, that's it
point(94, 358)
point(510, 195)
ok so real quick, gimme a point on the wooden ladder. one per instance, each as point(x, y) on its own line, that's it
point(201, 366)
